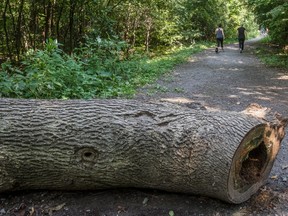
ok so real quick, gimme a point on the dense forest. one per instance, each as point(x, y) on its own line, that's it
point(98, 48)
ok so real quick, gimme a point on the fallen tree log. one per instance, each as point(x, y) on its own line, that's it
point(98, 144)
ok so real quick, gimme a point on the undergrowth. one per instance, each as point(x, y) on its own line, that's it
point(98, 69)
point(272, 54)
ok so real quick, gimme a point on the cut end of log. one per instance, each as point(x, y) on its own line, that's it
point(253, 161)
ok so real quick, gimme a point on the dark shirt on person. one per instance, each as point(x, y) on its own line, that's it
point(241, 32)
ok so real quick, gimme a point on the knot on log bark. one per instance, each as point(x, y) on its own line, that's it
point(86, 155)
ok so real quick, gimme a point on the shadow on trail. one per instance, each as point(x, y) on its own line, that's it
point(231, 81)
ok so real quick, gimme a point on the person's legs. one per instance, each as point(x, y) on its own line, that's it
point(241, 43)
point(221, 41)
point(218, 42)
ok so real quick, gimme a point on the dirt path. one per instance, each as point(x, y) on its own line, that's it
point(232, 81)
point(225, 81)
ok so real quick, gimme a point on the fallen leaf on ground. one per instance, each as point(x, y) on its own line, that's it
point(145, 201)
point(21, 210)
point(121, 209)
point(56, 208)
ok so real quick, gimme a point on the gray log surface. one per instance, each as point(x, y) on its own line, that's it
point(98, 144)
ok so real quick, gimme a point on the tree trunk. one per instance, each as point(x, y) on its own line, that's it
point(98, 144)
point(7, 39)
point(47, 29)
point(73, 4)
point(18, 32)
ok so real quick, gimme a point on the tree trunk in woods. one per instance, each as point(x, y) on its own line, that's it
point(73, 5)
point(48, 18)
point(4, 17)
point(18, 32)
point(98, 144)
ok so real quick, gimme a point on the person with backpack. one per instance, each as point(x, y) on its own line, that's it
point(241, 37)
point(219, 37)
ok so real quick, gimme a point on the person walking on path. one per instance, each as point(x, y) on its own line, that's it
point(241, 37)
point(219, 36)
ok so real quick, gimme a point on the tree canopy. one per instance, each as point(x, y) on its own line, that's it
point(27, 24)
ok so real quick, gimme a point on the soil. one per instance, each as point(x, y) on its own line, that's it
point(228, 80)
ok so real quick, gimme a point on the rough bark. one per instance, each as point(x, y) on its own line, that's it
point(98, 144)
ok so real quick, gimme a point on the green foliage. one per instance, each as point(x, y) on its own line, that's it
point(271, 54)
point(146, 24)
point(171, 213)
point(199, 19)
point(47, 73)
point(98, 69)
point(272, 15)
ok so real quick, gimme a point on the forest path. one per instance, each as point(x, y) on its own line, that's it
point(231, 81)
